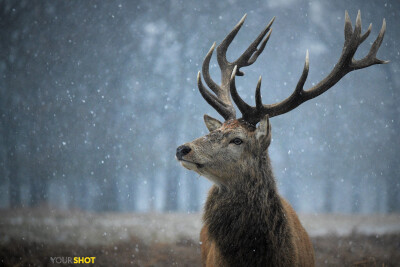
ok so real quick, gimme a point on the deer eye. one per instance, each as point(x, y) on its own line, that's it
point(236, 141)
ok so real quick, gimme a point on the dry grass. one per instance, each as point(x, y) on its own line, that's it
point(357, 250)
point(354, 250)
point(31, 237)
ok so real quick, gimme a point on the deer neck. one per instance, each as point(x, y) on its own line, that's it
point(247, 222)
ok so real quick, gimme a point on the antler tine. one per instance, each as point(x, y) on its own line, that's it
point(254, 114)
point(294, 100)
point(221, 101)
point(366, 34)
point(249, 113)
point(226, 109)
point(206, 73)
point(244, 108)
point(370, 58)
point(258, 94)
point(348, 28)
point(251, 54)
point(223, 47)
point(346, 64)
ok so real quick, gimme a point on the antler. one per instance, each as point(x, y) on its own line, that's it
point(221, 100)
point(346, 64)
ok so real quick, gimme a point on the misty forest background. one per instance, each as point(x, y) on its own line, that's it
point(95, 96)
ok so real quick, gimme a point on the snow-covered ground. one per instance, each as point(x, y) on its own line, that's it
point(107, 228)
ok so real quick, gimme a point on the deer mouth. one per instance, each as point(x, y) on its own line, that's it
point(190, 165)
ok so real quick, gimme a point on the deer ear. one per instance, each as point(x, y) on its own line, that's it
point(263, 132)
point(211, 123)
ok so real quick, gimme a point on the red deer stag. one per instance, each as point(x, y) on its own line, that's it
point(246, 221)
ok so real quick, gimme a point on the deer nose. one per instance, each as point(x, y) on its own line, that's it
point(182, 151)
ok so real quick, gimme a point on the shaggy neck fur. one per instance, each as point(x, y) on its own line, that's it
point(247, 222)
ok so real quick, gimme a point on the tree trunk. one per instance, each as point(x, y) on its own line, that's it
point(193, 195)
point(38, 187)
point(328, 195)
point(14, 186)
point(171, 201)
point(12, 163)
point(108, 185)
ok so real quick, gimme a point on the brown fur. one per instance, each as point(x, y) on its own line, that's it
point(246, 222)
point(301, 243)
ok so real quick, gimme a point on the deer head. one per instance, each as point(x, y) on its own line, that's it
point(233, 149)
point(230, 148)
